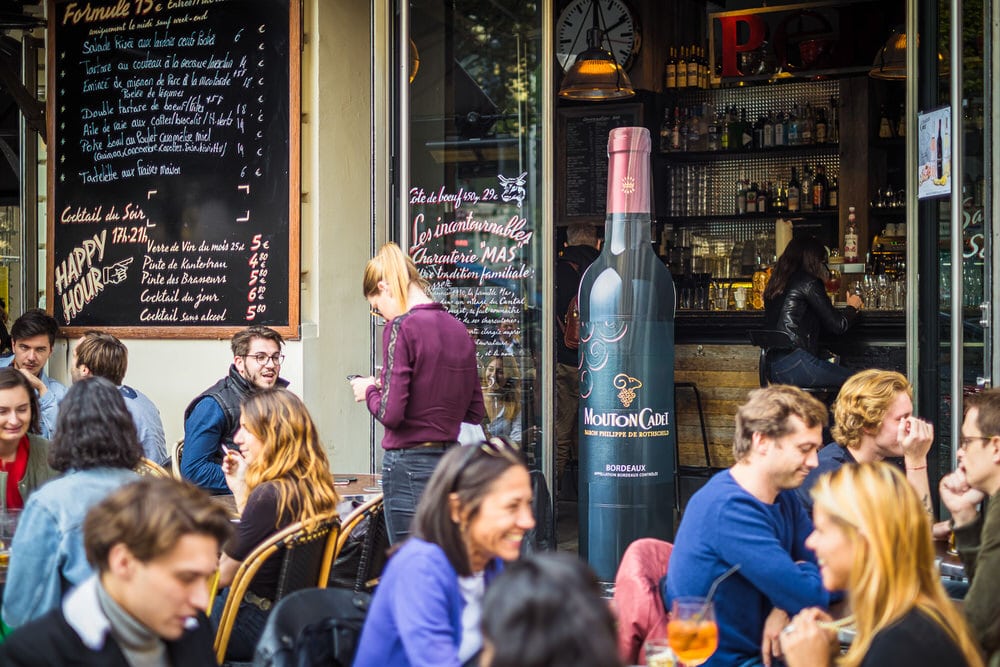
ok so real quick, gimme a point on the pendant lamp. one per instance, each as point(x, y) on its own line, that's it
point(595, 75)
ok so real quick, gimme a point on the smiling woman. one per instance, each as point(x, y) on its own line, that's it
point(23, 457)
point(472, 517)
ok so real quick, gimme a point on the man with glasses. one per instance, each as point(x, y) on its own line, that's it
point(213, 417)
point(977, 534)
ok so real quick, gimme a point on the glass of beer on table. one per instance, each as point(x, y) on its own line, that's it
point(692, 632)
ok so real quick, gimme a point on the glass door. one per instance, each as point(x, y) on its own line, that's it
point(957, 79)
point(471, 196)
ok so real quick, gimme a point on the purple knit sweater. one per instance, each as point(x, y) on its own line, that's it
point(430, 379)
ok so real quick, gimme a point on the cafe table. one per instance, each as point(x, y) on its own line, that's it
point(349, 486)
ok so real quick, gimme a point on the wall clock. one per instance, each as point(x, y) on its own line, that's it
point(619, 23)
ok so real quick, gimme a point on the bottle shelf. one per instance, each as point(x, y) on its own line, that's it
point(719, 155)
point(736, 217)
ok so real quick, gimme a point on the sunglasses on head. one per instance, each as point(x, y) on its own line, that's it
point(496, 447)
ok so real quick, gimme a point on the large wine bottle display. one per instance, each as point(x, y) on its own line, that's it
point(627, 431)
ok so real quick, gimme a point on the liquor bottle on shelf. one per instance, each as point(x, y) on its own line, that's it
point(670, 71)
point(901, 123)
point(758, 134)
point(820, 189)
point(682, 69)
point(675, 131)
point(851, 238)
point(794, 190)
point(807, 126)
point(703, 62)
point(741, 196)
point(724, 130)
point(626, 414)
point(833, 195)
point(665, 131)
point(833, 127)
point(805, 189)
point(714, 128)
point(779, 130)
point(692, 63)
point(821, 129)
point(746, 131)
point(792, 136)
point(780, 199)
point(884, 126)
point(752, 198)
point(763, 199)
point(768, 130)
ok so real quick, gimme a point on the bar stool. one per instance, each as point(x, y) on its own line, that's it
point(771, 340)
point(692, 478)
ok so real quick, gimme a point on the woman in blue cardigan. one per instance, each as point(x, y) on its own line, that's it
point(472, 517)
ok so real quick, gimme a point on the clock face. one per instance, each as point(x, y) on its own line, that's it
point(618, 23)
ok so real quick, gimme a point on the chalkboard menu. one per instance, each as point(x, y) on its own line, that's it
point(173, 166)
point(583, 158)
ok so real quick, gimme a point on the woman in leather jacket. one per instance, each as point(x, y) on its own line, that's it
point(796, 303)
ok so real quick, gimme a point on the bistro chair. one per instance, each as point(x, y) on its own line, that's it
point(175, 458)
point(637, 597)
point(304, 549)
point(361, 548)
point(149, 468)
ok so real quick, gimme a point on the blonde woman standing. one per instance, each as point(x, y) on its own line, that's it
point(280, 476)
point(873, 539)
point(429, 383)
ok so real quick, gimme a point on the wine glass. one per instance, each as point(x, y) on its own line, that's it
point(692, 632)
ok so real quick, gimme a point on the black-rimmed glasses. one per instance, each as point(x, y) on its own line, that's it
point(263, 357)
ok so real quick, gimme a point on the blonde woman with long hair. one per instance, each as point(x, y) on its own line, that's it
point(873, 540)
point(281, 475)
point(502, 395)
point(429, 383)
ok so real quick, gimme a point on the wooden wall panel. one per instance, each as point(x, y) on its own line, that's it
point(724, 375)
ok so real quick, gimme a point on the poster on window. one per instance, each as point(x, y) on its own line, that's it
point(934, 151)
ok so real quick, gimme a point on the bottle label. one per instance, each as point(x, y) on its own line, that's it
point(627, 438)
point(850, 247)
point(671, 78)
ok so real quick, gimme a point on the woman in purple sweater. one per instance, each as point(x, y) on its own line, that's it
point(428, 387)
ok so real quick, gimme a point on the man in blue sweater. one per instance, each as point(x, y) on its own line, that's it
point(749, 516)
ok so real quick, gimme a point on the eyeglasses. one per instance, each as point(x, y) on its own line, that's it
point(965, 441)
point(377, 313)
point(262, 358)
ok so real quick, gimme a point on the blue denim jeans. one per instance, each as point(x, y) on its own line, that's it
point(405, 473)
point(247, 628)
point(802, 369)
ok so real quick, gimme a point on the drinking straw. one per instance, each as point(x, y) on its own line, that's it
point(711, 590)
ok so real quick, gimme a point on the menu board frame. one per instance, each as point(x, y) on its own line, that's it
point(570, 116)
point(290, 326)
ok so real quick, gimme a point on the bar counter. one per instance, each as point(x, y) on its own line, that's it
point(713, 351)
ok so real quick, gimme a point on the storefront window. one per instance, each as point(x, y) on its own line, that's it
point(473, 217)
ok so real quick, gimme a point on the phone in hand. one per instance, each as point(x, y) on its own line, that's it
point(353, 376)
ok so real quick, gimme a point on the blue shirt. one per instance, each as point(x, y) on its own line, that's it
point(201, 462)
point(831, 457)
point(46, 555)
point(416, 614)
point(148, 424)
point(48, 404)
point(724, 525)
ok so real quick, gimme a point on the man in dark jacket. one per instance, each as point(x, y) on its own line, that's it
point(580, 251)
point(154, 544)
point(213, 417)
